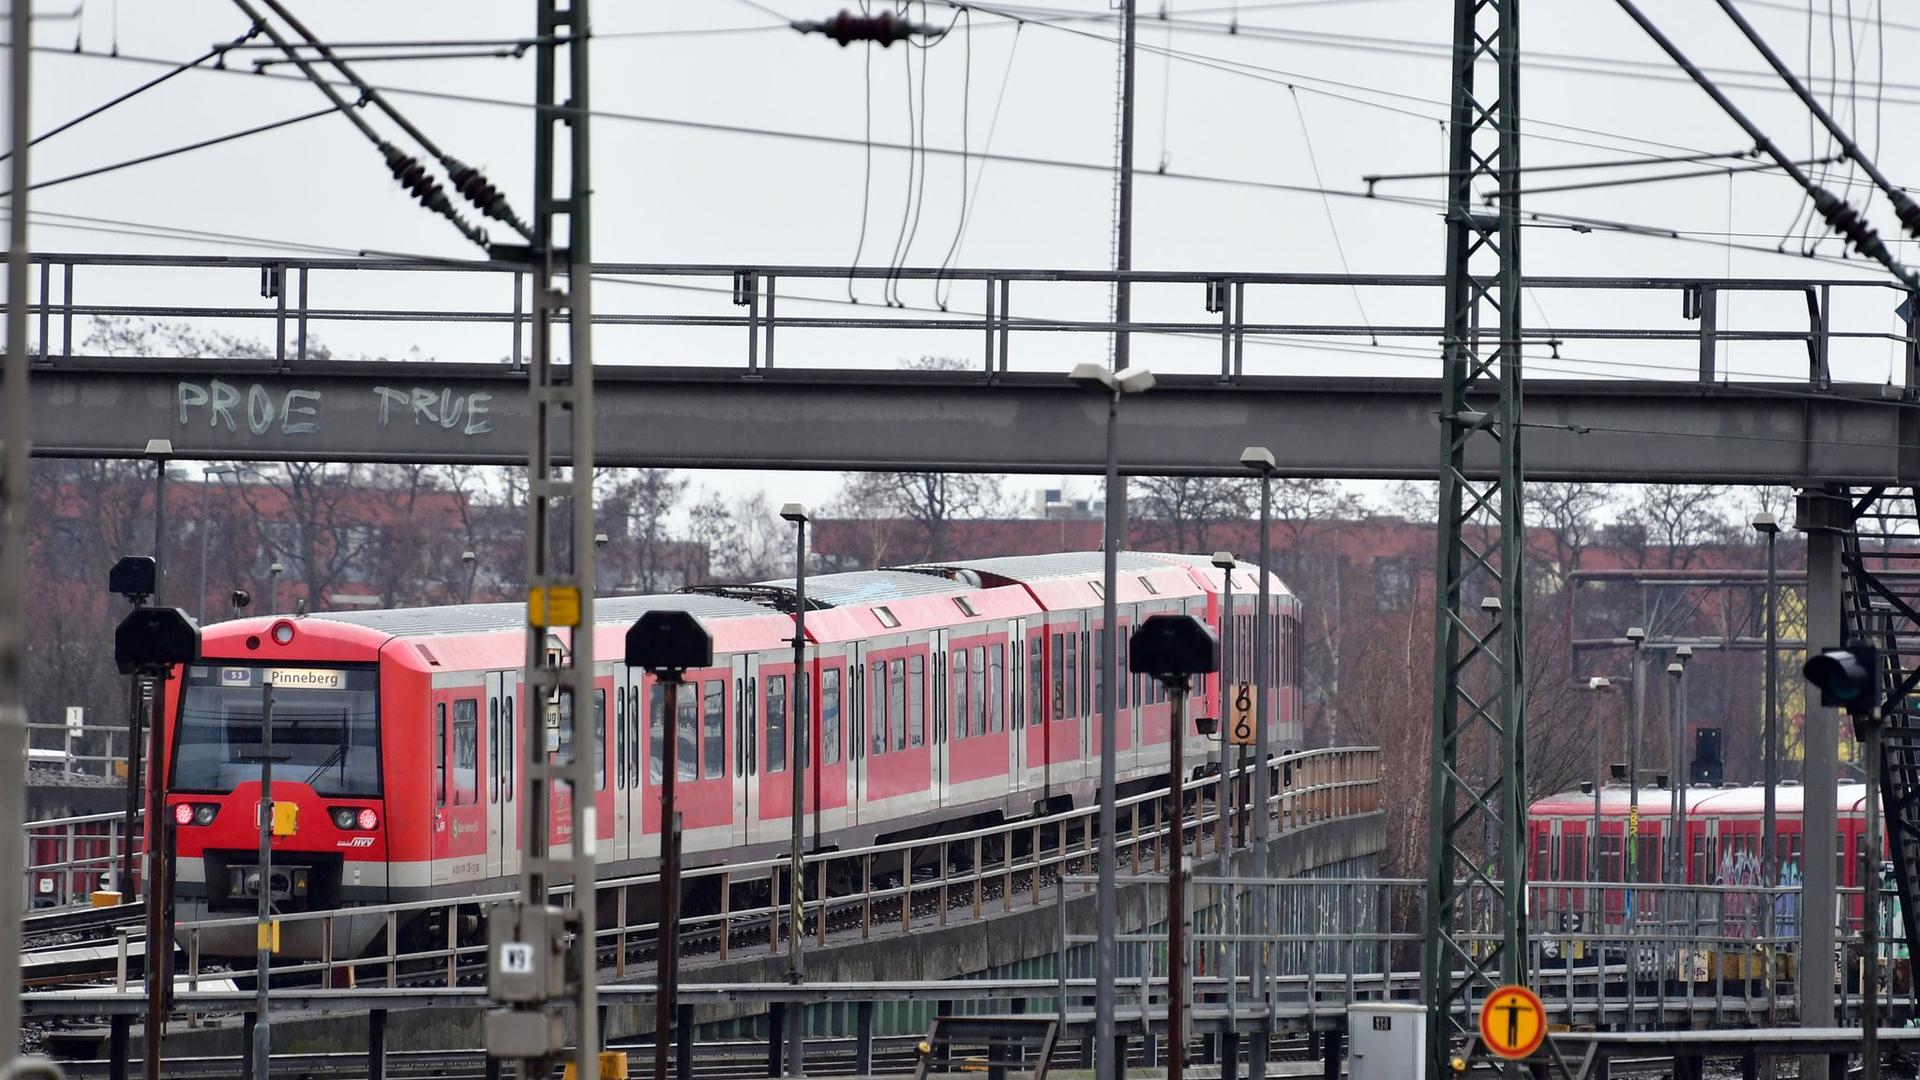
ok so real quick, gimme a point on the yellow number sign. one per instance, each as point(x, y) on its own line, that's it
point(1240, 722)
point(1512, 1022)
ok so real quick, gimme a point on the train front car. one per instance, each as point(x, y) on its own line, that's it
point(341, 717)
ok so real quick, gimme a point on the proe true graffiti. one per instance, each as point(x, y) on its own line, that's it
point(261, 409)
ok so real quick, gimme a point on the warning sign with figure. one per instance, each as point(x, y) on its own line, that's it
point(1240, 718)
point(1512, 1022)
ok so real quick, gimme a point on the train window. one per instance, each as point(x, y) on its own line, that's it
point(440, 754)
point(1073, 676)
point(1086, 675)
point(634, 737)
point(803, 717)
point(916, 688)
point(1609, 868)
point(713, 721)
point(656, 732)
point(507, 760)
point(1017, 688)
point(1123, 678)
point(1542, 853)
point(965, 608)
point(979, 693)
point(687, 735)
point(1573, 858)
point(897, 703)
point(1058, 710)
point(620, 740)
point(1097, 663)
point(776, 723)
point(753, 725)
point(959, 717)
point(466, 751)
point(739, 728)
point(1037, 681)
point(493, 749)
point(887, 618)
point(599, 740)
point(996, 686)
point(830, 715)
point(877, 688)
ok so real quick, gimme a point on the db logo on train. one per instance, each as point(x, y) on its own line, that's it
point(1512, 1022)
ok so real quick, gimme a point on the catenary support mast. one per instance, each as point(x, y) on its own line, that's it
point(1478, 687)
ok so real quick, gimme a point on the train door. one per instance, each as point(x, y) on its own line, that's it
point(854, 707)
point(827, 736)
point(627, 827)
point(498, 800)
point(1013, 679)
point(746, 699)
point(943, 719)
point(512, 749)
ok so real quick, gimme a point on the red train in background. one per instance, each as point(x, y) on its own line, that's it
point(1723, 832)
point(935, 698)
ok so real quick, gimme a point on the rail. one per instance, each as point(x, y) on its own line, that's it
point(1202, 321)
point(849, 895)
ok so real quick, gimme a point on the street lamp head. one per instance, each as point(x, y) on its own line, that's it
point(1134, 380)
point(1224, 560)
point(796, 513)
point(159, 448)
point(600, 540)
point(468, 557)
point(276, 568)
point(1676, 669)
point(1684, 652)
point(1490, 605)
point(1095, 375)
point(1257, 458)
point(1600, 683)
point(1636, 634)
point(1764, 523)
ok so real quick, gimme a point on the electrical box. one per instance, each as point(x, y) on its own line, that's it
point(1385, 1040)
point(286, 818)
point(527, 953)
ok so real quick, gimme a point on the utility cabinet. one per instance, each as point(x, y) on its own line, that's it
point(1385, 1040)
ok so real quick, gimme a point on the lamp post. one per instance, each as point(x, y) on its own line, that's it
point(1110, 1065)
point(469, 560)
point(796, 870)
point(206, 530)
point(1261, 461)
point(1677, 819)
point(1769, 526)
point(1225, 562)
point(1630, 859)
point(274, 570)
point(159, 450)
point(1601, 686)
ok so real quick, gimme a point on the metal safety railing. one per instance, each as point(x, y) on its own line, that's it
point(70, 857)
point(848, 895)
point(480, 312)
point(1625, 957)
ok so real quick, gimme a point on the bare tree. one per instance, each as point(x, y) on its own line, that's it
point(745, 538)
point(1569, 514)
point(926, 503)
point(639, 504)
point(1674, 521)
point(1179, 513)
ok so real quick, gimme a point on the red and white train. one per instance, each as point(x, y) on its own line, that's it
point(1723, 832)
point(937, 697)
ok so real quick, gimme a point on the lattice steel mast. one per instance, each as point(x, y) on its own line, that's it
point(561, 966)
point(1478, 661)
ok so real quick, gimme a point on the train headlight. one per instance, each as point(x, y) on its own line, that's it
point(204, 813)
point(349, 818)
point(343, 817)
point(283, 633)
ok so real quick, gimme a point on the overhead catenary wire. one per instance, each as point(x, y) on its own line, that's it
point(1333, 227)
point(980, 171)
point(258, 129)
point(404, 168)
point(1629, 181)
point(467, 180)
point(118, 99)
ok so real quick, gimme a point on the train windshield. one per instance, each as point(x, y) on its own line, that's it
point(326, 728)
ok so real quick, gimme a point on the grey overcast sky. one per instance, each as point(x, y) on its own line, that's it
point(1313, 93)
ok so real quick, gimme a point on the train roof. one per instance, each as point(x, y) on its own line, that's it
point(865, 587)
point(1615, 799)
point(1026, 569)
point(469, 618)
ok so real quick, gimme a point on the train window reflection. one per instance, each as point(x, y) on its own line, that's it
point(324, 736)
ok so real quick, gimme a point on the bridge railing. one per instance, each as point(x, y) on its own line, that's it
point(753, 316)
point(1627, 957)
point(69, 857)
point(847, 895)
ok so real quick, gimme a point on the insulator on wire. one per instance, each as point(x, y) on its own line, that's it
point(1841, 216)
point(479, 191)
point(884, 27)
point(414, 177)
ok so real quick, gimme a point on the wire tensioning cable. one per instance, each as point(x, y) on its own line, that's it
point(467, 180)
point(408, 171)
point(980, 171)
point(143, 159)
point(1840, 216)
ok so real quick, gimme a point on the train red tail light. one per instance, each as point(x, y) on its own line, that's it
point(195, 813)
point(182, 814)
point(350, 818)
